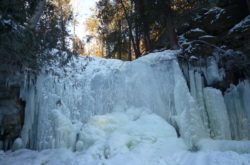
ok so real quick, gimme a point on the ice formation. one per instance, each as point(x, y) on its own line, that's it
point(217, 113)
point(237, 99)
point(100, 111)
point(133, 137)
point(64, 99)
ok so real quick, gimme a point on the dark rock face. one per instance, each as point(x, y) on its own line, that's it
point(224, 34)
point(18, 51)
point(11, 116)
point(218, 20)
point(11, 106)
point(198, 49)
point(238, 37)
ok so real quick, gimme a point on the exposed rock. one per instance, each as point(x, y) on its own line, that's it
point(244, 4)
point(197, 48)
point(11, 115)
point(11, 106)
point(218, 20)
point(183, 28)
point(238, 37)
point(236, 66)
point(229, 45)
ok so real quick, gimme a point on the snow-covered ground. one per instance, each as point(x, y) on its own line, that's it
point(107, 112)
point(134, 137)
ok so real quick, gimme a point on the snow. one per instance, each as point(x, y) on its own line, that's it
point(191, 58)
point(64, 156)
point(215, 10)
point(197, 30)
point(207, 36)
point(244, 24)
point(11, 23)
point(160, 56)
point(132, 137)
point(224, 145)
point(122, 133)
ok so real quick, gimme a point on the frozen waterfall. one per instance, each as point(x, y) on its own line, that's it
point(63, 100)
point(100, 111)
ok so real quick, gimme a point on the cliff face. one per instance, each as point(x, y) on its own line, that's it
point(11, 107)
point(21, 59)
point(216, 53)
point(218, 38)
point(18, 50)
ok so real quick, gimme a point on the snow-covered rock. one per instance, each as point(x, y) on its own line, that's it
point(195, 33)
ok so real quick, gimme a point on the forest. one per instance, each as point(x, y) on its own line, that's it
point(125, 82)
point(122, 29)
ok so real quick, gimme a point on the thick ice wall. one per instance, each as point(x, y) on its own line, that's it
point(217, 114)
point(238, 106)
point(196, 89)
point(212, 73)
point(236, 99)
point(211, 105)
point(64, 99)
point(189, 118)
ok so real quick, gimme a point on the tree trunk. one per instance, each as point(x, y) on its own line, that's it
point(172, 34)
point(37, 15)
point(139, 7)
point(63, 30)
point(248, 5)
point(146, 38)
point(103, 47)
point(129, 50)
point(137, 41)
point(74, 36)
point(136, 50)
point(119, 41)
point(135, 44)
point(170, 27)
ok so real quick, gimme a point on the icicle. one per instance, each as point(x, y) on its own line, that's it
point(238, 105)
point(217, 114)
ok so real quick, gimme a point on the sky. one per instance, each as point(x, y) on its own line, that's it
point(84, 9)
